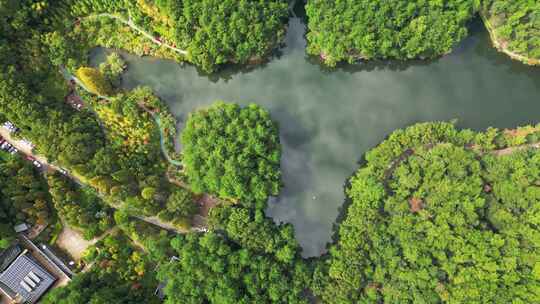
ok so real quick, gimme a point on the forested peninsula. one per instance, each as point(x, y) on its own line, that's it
point(363, 30)
point(435, 214)
point(515, 28)
point(440, 215)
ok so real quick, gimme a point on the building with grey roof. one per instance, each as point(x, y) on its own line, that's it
point(24, 280)
point(8, 255)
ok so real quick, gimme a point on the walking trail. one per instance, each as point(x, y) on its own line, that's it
point(132, 25)
point(501, 45)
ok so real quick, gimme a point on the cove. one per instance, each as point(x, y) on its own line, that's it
point(329, 118)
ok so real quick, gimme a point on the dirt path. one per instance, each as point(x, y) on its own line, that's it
point(511, 150)
point(132, 25)
point(206, 202)
point(499, 44)
point(154, 220)
point(410, 152)
point(72, 242)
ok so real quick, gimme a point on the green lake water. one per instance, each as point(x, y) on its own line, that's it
point(329, 118)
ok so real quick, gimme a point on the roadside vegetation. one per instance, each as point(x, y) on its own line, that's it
point(122, 274)
point(79, 207)
point(439, 215)
point(515, 27)
point(23, 197)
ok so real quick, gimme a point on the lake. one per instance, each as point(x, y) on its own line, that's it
point(329, 118)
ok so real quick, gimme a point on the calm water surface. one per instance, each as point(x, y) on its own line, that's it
point(329, 119)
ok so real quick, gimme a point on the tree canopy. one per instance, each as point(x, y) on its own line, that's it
point(369, 29)
point(233, 152)
point(94, 81)
point(516, 24)
point(122, 275)
point(211, 32)
point(23, 193)
point(79, 207)
point(211, 269)
point(215, 32)
point(436, 218)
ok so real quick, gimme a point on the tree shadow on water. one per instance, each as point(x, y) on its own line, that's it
point(370, 65)
point(226, 72)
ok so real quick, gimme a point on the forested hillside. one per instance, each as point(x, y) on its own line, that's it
point(211, 269)
point(436, 214)
point(23, 197)
point(206, 33)
point(515, 26)
point(439, 215)
point(344, 30)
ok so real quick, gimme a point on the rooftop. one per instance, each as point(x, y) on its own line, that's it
point(26, 278)
point(8, 256)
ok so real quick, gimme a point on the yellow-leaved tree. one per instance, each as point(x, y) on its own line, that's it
point(94, 81)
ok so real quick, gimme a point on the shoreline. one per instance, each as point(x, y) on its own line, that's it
point(498, 45)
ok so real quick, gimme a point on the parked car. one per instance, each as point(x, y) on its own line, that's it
point(37, 164)
point(10, 127)
point(63, 171)
point(27, 143)
point(5, 146)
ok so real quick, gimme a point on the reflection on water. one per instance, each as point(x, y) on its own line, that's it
point(329, 118)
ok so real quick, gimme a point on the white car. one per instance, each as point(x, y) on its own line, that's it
point(10, 126)
point(37, 164)
point(27, 143)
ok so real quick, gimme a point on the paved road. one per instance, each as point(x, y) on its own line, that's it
point(46, 166)
point(26, 149)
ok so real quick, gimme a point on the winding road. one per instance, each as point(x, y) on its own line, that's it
point(46, 166)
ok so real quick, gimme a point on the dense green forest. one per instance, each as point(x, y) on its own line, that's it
point(23, 197)
point(364, 29)
point(211, 269)
point(436, 215)
point(116, 151)
point(233, 152)
point(79, 207)
point(206, 33)
point(215, 32)
point(516, 24)
point(439, 215)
